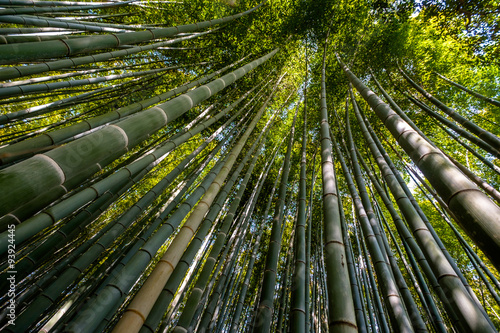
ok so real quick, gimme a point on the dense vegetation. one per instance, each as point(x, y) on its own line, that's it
point(243, 166)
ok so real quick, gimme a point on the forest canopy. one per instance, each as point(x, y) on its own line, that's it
point(237, 166)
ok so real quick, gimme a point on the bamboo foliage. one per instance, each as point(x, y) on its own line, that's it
point(137, 175)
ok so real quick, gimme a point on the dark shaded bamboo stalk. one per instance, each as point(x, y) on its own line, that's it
point(298, 311)
point(56, 48)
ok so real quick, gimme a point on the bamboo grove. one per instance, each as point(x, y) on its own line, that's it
point(244, 166)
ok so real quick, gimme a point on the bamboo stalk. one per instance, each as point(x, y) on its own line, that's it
point(139, 308)
point(487, 136)
point(473, 93)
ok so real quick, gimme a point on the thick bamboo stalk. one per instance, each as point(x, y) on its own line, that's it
point(6, 72)
point(398, 110)
point(308, 250)
point(342, 317)
point(12, 152)
point(61, 164)
point(472, 92)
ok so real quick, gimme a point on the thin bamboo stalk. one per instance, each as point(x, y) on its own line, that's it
point(265, 310)
point(199, 288)
point(57, 48)
point(478, 141)
point(487, 136)
point(298, 311)
point(412, 250)
point(472, 92)
point(395, 306)
point(477, 213)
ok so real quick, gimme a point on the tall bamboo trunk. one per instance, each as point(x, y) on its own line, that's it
point(342, 317)
point(488, 137)
point(472, 92)
point(265, 309)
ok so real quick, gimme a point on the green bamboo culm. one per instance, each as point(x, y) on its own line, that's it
point(477, 214)
point(58, 48)
point(297, 310)
point(55, 6)
point(38, 222)
point(342, 317)
point(488, 137)
point(265, 309)
point(27, 178)
point(24, 148)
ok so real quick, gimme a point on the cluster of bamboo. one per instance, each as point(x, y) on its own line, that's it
point(183, 253)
